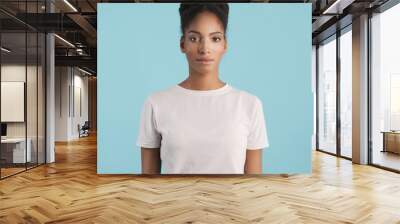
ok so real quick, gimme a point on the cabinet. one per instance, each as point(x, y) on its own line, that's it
point(391, 141)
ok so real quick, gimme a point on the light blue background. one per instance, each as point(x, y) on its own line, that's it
point(269, 55)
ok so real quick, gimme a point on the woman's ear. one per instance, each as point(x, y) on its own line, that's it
point(182, 44)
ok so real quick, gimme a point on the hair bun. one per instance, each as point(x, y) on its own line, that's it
point(188, 11)
point(188, 7)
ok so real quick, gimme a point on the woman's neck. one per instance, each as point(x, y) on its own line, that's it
point(197, 81)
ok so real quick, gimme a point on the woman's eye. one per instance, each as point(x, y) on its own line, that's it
point(217, 39)
point(193, 39)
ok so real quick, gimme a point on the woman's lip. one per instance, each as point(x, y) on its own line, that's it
point(205, 61)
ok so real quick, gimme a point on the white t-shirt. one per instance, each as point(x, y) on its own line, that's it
point(202, 131)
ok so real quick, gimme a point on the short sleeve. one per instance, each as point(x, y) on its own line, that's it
point(257, 138)
point(148, 136)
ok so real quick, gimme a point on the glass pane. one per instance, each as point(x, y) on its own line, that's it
point(31, 86)
point(23, 89)
point(327, 96)
point(346, 93)
point(386, 89)
point(41, 99)
point(31, 101)
point(314, 90)
point(395, 102)
point(13, 86)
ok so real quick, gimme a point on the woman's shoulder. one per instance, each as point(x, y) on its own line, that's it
point(246, 95)
point(161, 95)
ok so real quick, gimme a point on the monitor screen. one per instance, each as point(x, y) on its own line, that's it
point(3, 129)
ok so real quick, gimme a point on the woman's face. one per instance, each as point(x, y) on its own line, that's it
point(204, 43)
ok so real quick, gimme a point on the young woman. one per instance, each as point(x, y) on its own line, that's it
point(202, 125)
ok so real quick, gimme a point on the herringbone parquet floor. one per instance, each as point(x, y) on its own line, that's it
point(70, 191)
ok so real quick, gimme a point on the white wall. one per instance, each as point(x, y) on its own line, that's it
point(62, 81)
point(80, 105)
point(70, 84)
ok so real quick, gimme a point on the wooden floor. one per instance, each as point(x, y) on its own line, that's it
point(5, 172)
point(70, 191)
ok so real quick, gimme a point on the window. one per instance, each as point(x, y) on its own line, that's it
point(22, 65)
point(327, 96)
point(385, 88)
point(346, 75)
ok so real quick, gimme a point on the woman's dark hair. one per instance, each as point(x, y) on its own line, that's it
point(188, 11)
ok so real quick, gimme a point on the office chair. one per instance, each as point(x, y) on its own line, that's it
point(84, 130)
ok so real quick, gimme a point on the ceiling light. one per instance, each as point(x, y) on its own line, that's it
point(329, 9)
point(5, 50)
point(337, 7)
point(70, 5)
point(84, 71)
point(64, 40)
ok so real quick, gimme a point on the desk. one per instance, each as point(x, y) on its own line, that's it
point(391, 141)
point(15, 148)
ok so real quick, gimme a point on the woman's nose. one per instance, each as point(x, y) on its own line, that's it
point(204, 47)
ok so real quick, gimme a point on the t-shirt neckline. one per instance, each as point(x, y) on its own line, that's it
point(220, 90)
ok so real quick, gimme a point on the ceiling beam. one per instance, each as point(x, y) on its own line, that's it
point(85, 61)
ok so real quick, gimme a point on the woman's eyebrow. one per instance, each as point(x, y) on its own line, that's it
point(193, 31)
